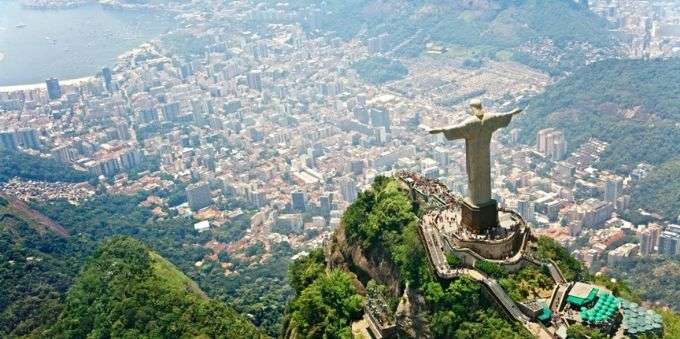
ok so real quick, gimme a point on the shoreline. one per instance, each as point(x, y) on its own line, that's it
point(27, 87)
point(106, 5)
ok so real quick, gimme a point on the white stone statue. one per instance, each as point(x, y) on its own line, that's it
point(477, 130)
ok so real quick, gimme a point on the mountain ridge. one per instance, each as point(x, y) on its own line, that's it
point(126, 289)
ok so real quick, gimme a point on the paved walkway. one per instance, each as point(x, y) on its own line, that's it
point(435, 254)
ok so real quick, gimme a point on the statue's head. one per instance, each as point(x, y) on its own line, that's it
point(476, 106)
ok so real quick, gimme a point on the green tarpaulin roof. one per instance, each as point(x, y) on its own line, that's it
point(574, 300)
point(546, 314)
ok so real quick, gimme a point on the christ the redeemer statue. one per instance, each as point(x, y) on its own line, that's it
point(477, 130)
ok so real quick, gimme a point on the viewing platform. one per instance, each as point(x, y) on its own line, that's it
point(443, 211)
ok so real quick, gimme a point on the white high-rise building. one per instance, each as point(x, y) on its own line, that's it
point(669, 243)
point(198, 196)
point(649, 239)
point(552, 143)
point(613, 189)
point(525, 208)
point(541, 139)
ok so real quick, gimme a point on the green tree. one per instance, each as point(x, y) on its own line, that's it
point(660, 191)
point(549, 249)
point(459, 311)
point(326, 307)
point(578, 331)
point(304, 271)
point(126, 291)
point(492, 269)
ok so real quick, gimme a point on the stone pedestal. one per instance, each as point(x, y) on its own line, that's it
point(478, 219)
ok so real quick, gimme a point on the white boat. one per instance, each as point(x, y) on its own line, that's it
point(20, 25)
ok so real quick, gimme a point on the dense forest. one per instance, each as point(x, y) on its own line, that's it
point(633, 104)
point(29, 167)
point(36, 269)
point(655, 279)
point(127, 291)
point(324, 304)
point(660, 191)
point(259, 290)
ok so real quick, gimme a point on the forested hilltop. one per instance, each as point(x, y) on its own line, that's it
point(507, 29)
point(38, 266)
point(634, 105)
point(128, 291)
point(379, 238)
point(376, 258)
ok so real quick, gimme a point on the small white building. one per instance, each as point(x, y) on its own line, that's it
point(202, 226)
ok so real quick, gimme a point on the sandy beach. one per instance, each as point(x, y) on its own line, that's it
point(42, 85)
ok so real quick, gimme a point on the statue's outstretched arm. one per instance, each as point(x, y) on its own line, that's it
point(458, 131)
point(500, 120)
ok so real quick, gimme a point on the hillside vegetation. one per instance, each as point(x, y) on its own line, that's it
point(632, 104)
point(379, 70)
point(488, 27)
point(127, 291)
point(36, 270)
point(37, 266)
point(260, 290)
point(660, 191)
point(654, 279)
point(29, 167)
point(324, 304)
point(382, 223)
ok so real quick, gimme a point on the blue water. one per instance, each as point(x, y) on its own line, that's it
point(68, 43)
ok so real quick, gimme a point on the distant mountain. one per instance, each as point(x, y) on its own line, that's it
point(127, 290)
point(504, 29)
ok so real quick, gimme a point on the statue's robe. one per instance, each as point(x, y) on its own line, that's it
point(477, 134)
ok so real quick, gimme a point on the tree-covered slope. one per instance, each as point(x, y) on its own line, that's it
point(379, 70)
point(632, 104)
point(36, 270)
point(38, 266)
point(126, 290)
point(660, 191)
point(324, 304)
point(259, 290)
point(381, 227)
point(654, 279)
point(486, 27)
point(29, 167)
